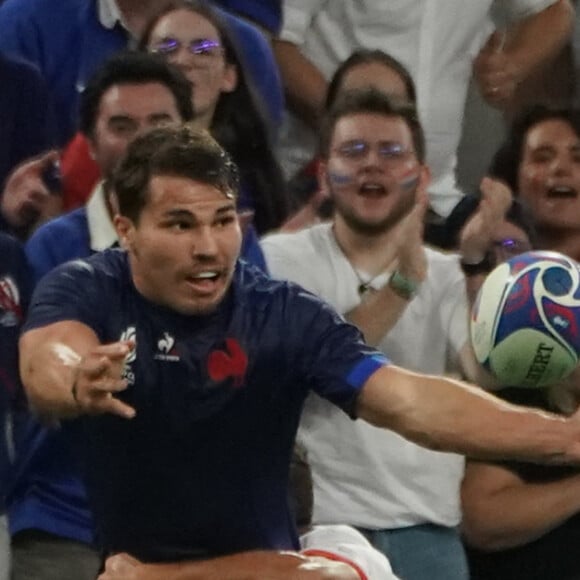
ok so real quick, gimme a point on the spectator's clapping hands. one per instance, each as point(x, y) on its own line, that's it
point(476, 237)
point(26, 199)
point(412, 262)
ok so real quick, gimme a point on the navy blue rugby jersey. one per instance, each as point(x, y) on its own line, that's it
point(202, 469)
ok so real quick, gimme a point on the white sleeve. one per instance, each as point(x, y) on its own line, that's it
point(347, 544)
point(520, 9)
point(297, 16)
point(453, 307)
point(289, 258)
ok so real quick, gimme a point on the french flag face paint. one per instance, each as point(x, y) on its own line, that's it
point(409, 181)
point(341, 179)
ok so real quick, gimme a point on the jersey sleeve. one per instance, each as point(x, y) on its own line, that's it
point(330, 353)
point(69, 292)
point(344, 543)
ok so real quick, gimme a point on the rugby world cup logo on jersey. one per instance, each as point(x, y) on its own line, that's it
point(130, 333)
point(10, 309)
point(166, 349)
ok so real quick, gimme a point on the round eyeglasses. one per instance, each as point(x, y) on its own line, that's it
point(200, 47)
point(389, 152)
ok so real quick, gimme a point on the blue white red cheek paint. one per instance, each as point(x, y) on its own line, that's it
point(410, 181)
point(340, 178)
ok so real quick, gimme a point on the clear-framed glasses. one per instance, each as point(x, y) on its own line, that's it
point(508, 248)
point(199, 47)
point(389, 152)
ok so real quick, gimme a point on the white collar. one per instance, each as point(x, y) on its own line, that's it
point(109, 13)
point(102, 233)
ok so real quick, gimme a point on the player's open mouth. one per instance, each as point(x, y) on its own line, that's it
point(205, 281)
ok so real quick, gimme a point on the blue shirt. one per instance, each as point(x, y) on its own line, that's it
point(202, 469)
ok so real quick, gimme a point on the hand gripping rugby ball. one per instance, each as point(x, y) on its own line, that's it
point(525, 323)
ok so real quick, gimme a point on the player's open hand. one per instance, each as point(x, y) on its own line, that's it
point(99, 377)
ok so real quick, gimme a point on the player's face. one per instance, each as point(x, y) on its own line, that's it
point(184, 247)
point(124, 112)
point(193, 44)
point(549, 175)
point(372, 172)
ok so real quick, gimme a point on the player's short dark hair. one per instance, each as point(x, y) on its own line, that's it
point(506, 162)
point(171, 151)
point(133, 68)
point(374, 102)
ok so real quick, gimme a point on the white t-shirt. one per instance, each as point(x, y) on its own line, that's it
point(436, 40)
point(365, 476)
point(345, 542)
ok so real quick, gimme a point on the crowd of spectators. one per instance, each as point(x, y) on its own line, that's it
point(342, 122)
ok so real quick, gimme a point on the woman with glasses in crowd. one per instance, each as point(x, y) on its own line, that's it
point(193, 36)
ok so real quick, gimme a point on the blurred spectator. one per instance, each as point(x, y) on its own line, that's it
point(27, 130)
point(14, 295)
point(31, 195)
point(224, 101)
point(69, 39)
point(370, 263)
point(438, 42)
point(363, 68)
point(25, 114)
point(540, 162)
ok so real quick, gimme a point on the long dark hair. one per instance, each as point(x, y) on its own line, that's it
point(239, 125)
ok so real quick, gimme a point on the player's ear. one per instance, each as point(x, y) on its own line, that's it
point(125, 231)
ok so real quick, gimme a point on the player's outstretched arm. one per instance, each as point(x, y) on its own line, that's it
point(258, 565)
point(66, 372)
point(449, 415)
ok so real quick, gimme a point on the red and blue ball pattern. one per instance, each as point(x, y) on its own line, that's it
point(525, 324)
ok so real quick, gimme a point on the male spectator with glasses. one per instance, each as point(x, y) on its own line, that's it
point(410, 302)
